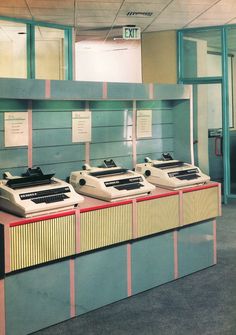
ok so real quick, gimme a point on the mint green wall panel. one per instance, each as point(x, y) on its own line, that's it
point(111, 134)
point(154, 104)
point(127, 91)
point(152, 262)
point(170, 92)
point(22, 88)
point(107, 105)
point(52, 120)
point(195, 248)
point(45, 137)
point(37, 298)
point(100, 278)
point(75, 90)
point(108, 150)
point(59, 154)
point(62, 170)
point(111, 118)
point(13, 157)
point(122, 161)
point(154, 145)
point(58, 105)
point(9, 105)
point(162, 116)
point(162, 131)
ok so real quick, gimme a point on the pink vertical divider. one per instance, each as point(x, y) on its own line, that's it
point(7, 248)
point(104, 91)
point(77, 231)
point(87, 144)
point(72, 288)
point(30, 135)
point(214, 242)
point(47, 89)
point(175, 240)
point(134, 150)
point(129, 274)
point(2, 308)
point(151, 91)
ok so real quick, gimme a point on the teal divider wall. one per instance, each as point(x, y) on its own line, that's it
point(112, 123)
point(37, 298)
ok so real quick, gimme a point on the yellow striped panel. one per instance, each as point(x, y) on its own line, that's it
point(200, 205)
point(157, 215)
point(42, 241)
point(105, 227)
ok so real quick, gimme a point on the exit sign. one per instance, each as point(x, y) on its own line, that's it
point(131, 33)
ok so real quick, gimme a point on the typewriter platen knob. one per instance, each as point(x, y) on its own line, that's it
point(82, 182)
point(147, 173)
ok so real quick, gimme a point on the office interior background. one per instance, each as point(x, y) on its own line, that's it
point(190, 42)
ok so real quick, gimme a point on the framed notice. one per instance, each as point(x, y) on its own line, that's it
point(144, 123)
point(16, 132)
point(81, 126)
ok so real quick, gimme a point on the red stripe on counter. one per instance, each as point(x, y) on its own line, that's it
point(94, 208)
point(40, 218)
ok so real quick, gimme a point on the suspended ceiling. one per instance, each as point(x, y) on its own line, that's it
point(99, 19)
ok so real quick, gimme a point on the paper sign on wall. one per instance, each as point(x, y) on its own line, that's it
point(81, 126)
point(16, 129)
point(144, 123)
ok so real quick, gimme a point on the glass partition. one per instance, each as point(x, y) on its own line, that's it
point(201, 54)
point(13, 46)
point(49, 53)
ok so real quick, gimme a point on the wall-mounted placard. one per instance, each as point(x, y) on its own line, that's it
point(16, 129)
point(81, 126)
point(144, 123)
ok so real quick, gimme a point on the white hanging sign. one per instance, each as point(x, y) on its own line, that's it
point(16, 129)
point(144, 123)
point(81, 126)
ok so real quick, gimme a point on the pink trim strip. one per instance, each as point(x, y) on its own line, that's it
point(2, 308)
point(129, 274)
point(134, 219)
point(77, 232)
point(104, 91)
point(30, 135)
point(181, 209)
point(7, 249)
point(151, 91)
point(47, 89)
point(176, 270)
point(72, 288)
point(134, 140)
point(40, 218)
point(214, 241)
point(219, 197)
point(87, 152)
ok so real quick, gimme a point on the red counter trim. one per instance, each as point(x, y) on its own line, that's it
point(40, 218)
point(112, 204)
point(200, 187)
point(150, 197)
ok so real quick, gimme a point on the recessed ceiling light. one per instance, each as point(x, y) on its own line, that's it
point(139, 14)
